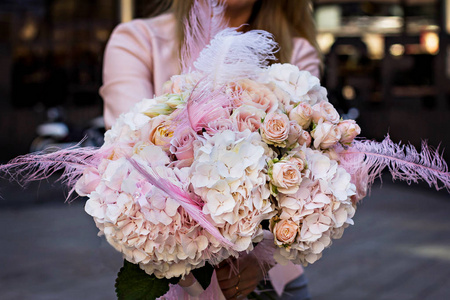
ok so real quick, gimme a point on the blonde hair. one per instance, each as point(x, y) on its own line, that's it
point(285, 19)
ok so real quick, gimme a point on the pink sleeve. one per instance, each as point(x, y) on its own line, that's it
point(127, 65)
point(305, 56)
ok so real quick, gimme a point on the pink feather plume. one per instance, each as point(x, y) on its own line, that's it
point(204, 22)
point(403, 161)
point(42, 165)
point(188, 201)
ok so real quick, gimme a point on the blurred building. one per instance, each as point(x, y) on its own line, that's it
point(386, 62)
point(389, 59)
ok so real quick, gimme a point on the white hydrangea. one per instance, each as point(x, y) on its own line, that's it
point(300, 85)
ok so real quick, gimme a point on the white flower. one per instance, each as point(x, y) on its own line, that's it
point(219, 199)
point(297, 83)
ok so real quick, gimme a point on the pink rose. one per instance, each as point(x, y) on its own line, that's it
point(215, 114)
point(325, 135)
point(182, 144)
point(248, 117)
point(302, 114)
point(286, 177)
point(349, 130)
point(325, 111)
point(219, 125)
point(252, 93)
point(88, 182)
point(294, 133)
point(285, 232)
point(304, 138)
point(275, 129)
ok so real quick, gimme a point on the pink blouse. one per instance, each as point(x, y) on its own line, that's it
point(140, 56)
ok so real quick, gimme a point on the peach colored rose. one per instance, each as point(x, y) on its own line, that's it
point(247, 117)
point(286, 177)
point(325, 135)
point(304, 138)
point(349, 130)
point(300, 163)
point(285, 232)
point(302, 114)
point(162, 136)
point(252, 93)
point(275, 129)
point(326, 111)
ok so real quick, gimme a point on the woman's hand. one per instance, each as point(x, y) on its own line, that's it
point(238, 286)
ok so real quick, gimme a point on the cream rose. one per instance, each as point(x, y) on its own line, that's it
point(326, 111)
point(252, 93)
point(302, 114)
point(349, 130)
point(286, 177)
point(325, 135)
point(285, 232)
point(275, 129)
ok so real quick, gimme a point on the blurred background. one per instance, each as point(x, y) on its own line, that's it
point(387, 64)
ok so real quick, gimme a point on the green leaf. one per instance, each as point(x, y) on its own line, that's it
point(133, 283)
point(203, 275)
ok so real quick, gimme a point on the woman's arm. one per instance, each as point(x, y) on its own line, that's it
point(127, 69)
point(305, 56)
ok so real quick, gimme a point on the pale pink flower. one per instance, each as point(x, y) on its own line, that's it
point(88, 182)
point(182, 144)
point(299, 162)
point(304, 138)
point(275, 129)
point(247, 117)
point(219, 125)
point(325, 111)
point(325, 135)
point(252, 93)
point(302, 114)
point(284, 100)
point(286, 177)
point(181, 83)
point(294, 133)
point(285, 232)
point(349, 130)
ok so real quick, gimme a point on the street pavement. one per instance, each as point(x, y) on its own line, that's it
point(399, 248)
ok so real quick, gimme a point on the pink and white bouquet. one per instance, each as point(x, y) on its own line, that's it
point(186, 179)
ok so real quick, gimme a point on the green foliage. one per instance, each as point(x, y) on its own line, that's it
point(133, 283)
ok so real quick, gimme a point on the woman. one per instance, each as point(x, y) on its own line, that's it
point(143, 54)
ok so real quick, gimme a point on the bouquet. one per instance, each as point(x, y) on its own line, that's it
point(187, 179)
